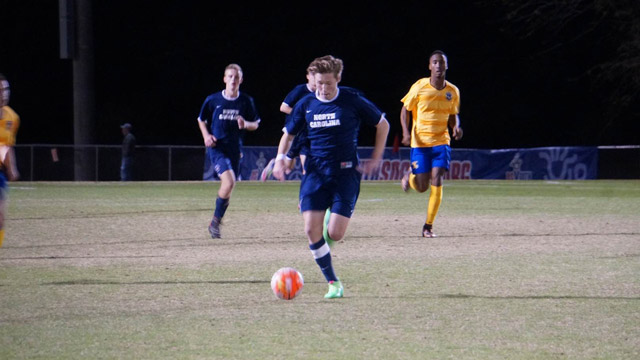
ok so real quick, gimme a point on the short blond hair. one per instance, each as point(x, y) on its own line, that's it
point(327, 64)
point(235, 67)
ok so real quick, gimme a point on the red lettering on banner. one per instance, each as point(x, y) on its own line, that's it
point(454, 170)
point(388, 170)
point(395, 170)
point(459, 170)
point(466, 169)
point(384, 169)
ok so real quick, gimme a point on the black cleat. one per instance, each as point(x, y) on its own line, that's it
point(214, 228)
point(427, 231)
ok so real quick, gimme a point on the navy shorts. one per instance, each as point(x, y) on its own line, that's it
point(4, 186)
point(222, 161)
point(338, 192)
point(425, 158)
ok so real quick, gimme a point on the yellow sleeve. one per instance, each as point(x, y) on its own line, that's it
point(457, 101)
point(410, 100)
point(9, 125)
point(14, 129)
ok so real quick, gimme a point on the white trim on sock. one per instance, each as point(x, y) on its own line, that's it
point(321, 252)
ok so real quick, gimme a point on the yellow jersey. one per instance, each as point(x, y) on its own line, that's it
point(9, 124)
point(430, 109)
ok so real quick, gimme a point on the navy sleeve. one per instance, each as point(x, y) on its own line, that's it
point(291, 98)
point(296, 121)
point(369, 113)
point(295, 95)
point(205, 111)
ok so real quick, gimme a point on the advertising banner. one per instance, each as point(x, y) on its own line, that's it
point(548, 163)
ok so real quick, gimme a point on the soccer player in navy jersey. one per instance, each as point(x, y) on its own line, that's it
point(223, 119)
point(300, 145)
point(332, 117)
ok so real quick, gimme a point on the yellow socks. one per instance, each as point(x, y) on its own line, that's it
point(412, 182)
point(1, 236)
point(435, 197)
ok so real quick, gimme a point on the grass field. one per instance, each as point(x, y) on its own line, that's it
point(520, 270)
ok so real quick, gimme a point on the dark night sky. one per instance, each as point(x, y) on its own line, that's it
point(156, 61)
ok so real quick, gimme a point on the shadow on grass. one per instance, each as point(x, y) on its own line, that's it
point(535, 297)
point(431, 296)
point(248, 240)
point(203, 242)
point(110, 214)
point(81, 257)
point(106, 282)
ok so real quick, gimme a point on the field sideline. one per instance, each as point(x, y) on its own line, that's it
point(520, 270)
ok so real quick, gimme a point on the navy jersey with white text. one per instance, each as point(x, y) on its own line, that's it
point(221, 113)
point(333, 128)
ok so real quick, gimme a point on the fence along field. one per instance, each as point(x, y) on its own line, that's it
point(521, 270)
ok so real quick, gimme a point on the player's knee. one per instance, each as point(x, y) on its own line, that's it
point(336, 235)
point(422, 186)
point(421, 183)
point(226, 188)
point(313, 234)
point(437, 177)
point(224, 193)
point(337, 230)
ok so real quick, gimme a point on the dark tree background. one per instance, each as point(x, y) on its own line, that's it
point(531, 73)
point(591, 46)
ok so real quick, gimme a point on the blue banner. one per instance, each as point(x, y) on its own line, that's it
point(548, 163)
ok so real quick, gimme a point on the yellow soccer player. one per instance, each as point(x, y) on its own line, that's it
point(9, 123)
point(434, 104)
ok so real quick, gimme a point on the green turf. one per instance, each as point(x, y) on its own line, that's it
point(520, 270)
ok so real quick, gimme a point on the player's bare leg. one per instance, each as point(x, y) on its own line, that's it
point(227, 184)
point(404, 182)
point(337, 226)
point(417, 182)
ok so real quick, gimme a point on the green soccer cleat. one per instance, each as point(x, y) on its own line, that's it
point(325, 229)
point(335, 290)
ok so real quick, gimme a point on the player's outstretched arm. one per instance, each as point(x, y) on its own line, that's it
point(9, 163)
point(209, 139)
point(454, 124)
point(382, 131)
point(285, 108)
point(283, 149)
point(247, 125)
point(404, 122)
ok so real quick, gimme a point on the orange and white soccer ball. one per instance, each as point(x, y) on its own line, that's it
point(287, 283)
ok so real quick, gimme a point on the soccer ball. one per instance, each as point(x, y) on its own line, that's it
point(287, 283)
